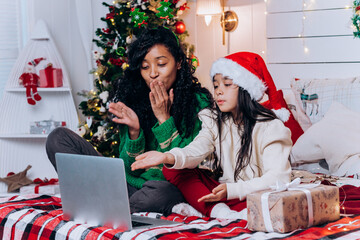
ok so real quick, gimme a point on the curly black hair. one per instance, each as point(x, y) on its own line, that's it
point(132, 90)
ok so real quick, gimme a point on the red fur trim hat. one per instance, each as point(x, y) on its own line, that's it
point(36, 61)
point(248, 70)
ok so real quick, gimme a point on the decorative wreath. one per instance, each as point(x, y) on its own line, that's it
point(356, 18)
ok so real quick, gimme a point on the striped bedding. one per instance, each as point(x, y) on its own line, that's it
point(40, 217)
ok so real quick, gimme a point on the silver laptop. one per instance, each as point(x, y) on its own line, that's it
point(93, 190)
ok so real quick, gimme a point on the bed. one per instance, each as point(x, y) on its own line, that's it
point(35, 216)
point(334, 108)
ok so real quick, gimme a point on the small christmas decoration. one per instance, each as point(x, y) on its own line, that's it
point(138, 18)
point(356, 18)
point(45, 126)
point(30, 81)
point(154, 5)
point(17, 180)
point(180, 27)
point(50, 77)
point(39, 186)
point(194, 62)
point(165, 10)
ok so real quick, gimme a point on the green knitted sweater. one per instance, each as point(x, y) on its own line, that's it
point(164, 138)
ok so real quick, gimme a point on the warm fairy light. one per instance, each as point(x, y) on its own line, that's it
point(299, 35)
point(265, 13)
point(95, 148)
point(304, 4)
point(306, 50)
point(347, 7)
point(112, 20)
point(100, 82)
point(96, 73)
point(121, 13)
point(263, 52)
point(304, 17)
point(113, 156)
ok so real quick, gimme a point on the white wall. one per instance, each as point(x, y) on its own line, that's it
point(311, 39)
point(62, 20)
point(248, 36)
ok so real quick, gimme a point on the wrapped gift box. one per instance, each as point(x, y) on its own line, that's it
point(51, 77)
point(38, 189)
point(45, 126)
point(289, 209)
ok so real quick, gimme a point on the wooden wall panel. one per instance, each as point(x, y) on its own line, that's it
point(316, 23)
point(326, 47)
point(321, 49)
point(298, 5)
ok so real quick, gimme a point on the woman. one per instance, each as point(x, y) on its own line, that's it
point(156, 105)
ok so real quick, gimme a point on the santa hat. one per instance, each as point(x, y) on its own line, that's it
point(248, 70)
point(36, 61)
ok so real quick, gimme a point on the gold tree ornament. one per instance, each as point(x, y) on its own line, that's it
point(101, 70)
point(93, 103)
point(154, 4)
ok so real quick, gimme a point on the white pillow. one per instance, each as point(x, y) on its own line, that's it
point(335, 138)
point(319, 94)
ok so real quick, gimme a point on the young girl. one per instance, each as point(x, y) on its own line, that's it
point(252, 146)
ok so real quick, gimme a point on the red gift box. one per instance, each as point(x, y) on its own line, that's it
point(51, 77)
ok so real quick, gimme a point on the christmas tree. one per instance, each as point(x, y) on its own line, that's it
point(126, 20)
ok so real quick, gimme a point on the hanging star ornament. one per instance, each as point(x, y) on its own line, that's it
point(165, 10)
point(138, 18)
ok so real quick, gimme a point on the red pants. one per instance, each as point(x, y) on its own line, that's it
point(195, 183)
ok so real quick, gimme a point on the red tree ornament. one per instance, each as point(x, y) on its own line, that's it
point(180, 27)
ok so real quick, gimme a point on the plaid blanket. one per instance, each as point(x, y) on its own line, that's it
point(40, 217)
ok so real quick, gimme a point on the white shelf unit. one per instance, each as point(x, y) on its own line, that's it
point(19, 148)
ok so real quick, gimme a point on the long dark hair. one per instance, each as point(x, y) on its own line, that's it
point(248, 112)
point(133, 91)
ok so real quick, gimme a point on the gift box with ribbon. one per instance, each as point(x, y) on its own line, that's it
point(47, 187)
point(292, 206)
point(50, 77)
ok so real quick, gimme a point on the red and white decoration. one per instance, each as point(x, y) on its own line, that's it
point(30, 81)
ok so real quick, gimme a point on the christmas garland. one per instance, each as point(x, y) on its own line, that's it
point(356, 18)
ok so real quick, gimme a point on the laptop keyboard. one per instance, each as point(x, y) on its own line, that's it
point(139, 224)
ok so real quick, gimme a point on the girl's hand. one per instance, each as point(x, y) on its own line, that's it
point(125, 115)
point(217, 194)
point(160, 101)
point(152, 159)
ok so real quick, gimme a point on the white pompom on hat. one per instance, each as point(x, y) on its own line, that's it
point(248, 70)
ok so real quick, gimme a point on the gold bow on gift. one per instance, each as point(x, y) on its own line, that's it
point(154, 4)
